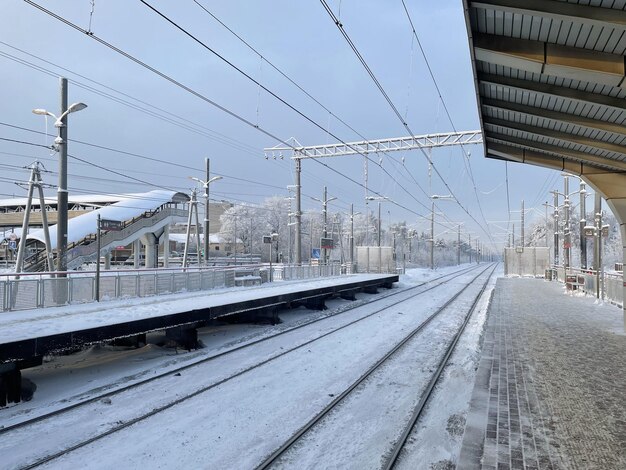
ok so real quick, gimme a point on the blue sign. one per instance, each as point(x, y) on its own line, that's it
point(315, 253)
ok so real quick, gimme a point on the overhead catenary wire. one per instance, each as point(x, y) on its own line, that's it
point(253, 150)
point(168, 117)
point(200, 95)
point(133, 154)
point(118, 171)
point(395, 110)
point(308, 94)
point(264, 88)
point(468, 164)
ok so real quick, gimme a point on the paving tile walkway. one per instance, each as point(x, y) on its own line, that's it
point(550, 391)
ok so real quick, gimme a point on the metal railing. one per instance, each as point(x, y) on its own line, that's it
point(41, 290)
point(611, 284)
point(292, 273)
point(85, 250)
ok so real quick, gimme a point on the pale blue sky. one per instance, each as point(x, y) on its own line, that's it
point(298, 37)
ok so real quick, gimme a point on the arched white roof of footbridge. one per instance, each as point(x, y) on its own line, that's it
point(128, 207)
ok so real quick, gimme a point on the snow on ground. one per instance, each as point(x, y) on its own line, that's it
point(26, 324)
point(436, 440)
point(235, 424)
point(63, 379)
point(362, 429)
point(83, 374)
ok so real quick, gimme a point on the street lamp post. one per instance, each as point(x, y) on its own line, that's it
point(324, 202)
point(379, 199)
point(352, 214)
point(432, 226)
point(62, 193)
point(205, 185)
point(379, 204)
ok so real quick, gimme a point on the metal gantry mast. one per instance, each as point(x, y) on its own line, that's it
point(365, 147)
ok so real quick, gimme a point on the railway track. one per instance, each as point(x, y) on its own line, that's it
point(393, 454)
point(434, 282)
point(403, 295)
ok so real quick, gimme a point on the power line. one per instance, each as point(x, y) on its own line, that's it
point(157, 72)
point(293, 82)
point(188, 124)
point(199, 95)
point(395, 110)
point(277, 69)
point(136, 155)
point(240, 146)
point(23, 142)
point(267, 90)
point(445, 107)
point(112, 170)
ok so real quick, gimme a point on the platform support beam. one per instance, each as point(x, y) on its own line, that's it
point(10, 383)
point(185, 336)
point(316, 303)
point(348, 295)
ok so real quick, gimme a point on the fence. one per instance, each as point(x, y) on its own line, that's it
point(43, 290)
point(526, 261)
point(611, 284)
point(291, 273)
point(375, 259)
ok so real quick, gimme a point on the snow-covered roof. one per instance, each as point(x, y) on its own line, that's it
point(132, 205)
point(80, 199)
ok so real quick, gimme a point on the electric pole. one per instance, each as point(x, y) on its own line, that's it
point(298, 213)
point(522, 227)
point(206, 213)
point(432, 235)
point(325, 230)
point(583, 222)
point(556, 227)
point(597, 258)
point(458, 248)
point(566, 231)
point(62, 196)
point(351, 238)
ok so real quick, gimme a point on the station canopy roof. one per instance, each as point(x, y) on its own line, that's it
point(550, 80)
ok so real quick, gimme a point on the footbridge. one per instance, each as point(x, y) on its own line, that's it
point(145, 217)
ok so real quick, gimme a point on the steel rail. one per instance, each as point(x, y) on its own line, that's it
point(279, 452)
point(182, 399)
point(5, 429)
point(421, 404)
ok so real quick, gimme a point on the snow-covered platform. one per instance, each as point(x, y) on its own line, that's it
point(29, 334)
point(550, 388)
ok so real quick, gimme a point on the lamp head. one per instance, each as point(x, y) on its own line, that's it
point(76, 107)
point(42, 112)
